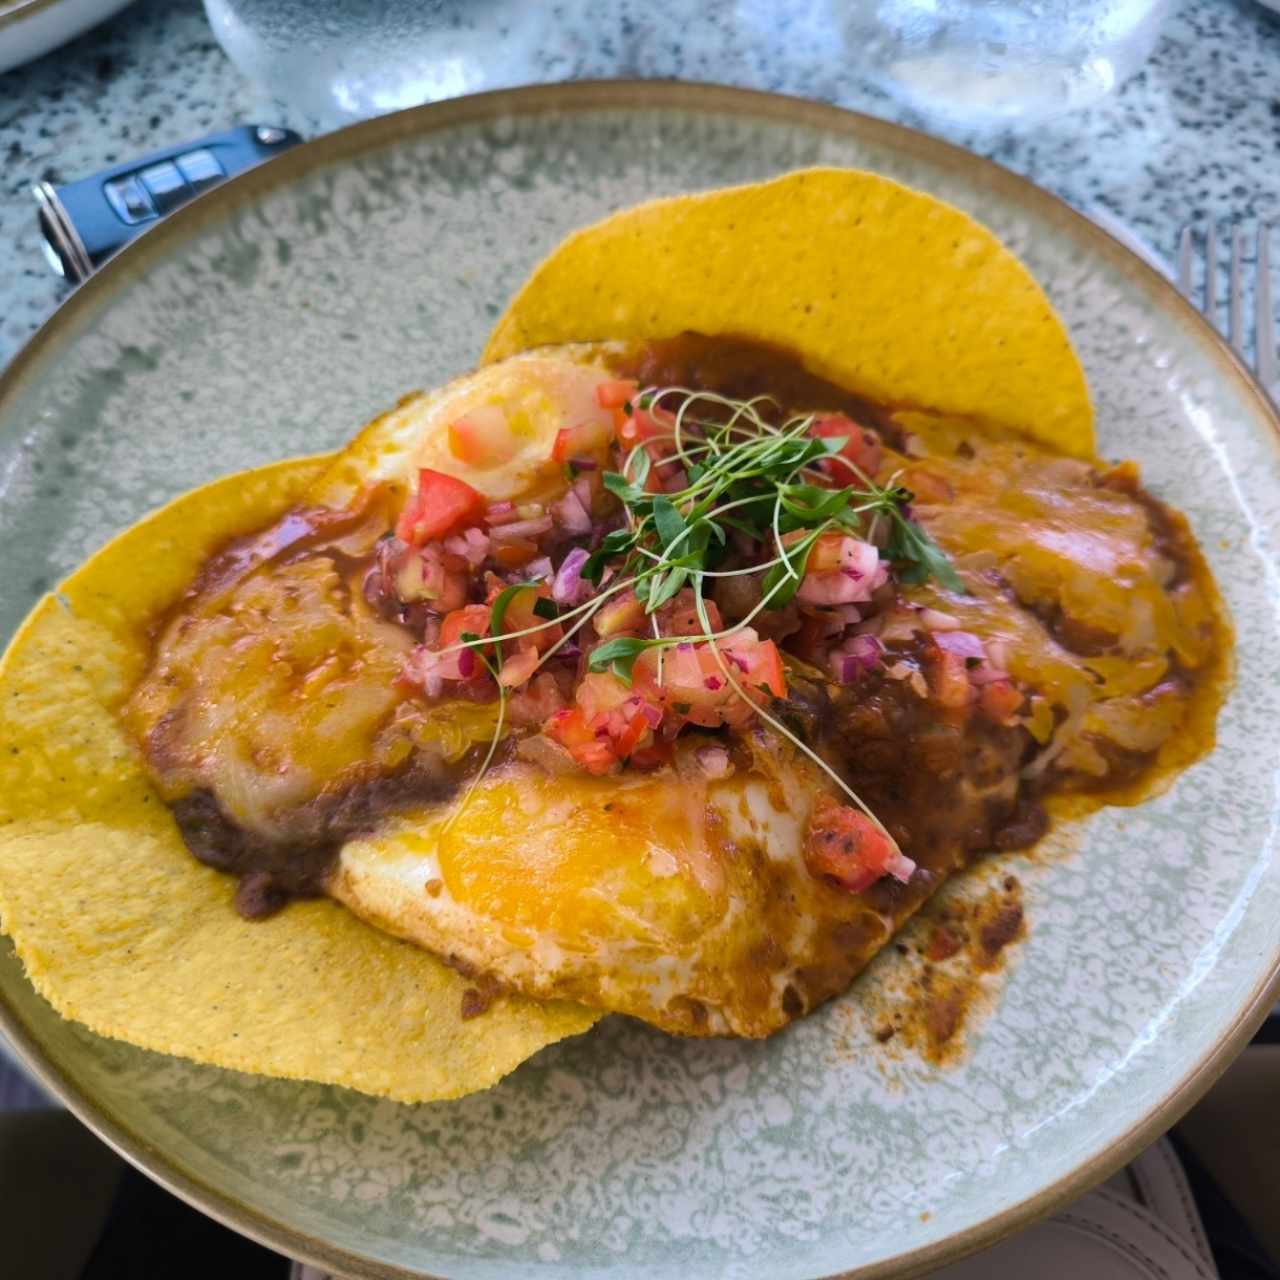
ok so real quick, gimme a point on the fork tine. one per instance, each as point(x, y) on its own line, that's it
point(1210, 307)
point(1264, 317)
point(1235, 292)
point(1184, 263)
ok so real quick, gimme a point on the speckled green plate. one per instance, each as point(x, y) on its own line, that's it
point(277, 314)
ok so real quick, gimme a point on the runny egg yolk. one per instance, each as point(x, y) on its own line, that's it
point(584, 861)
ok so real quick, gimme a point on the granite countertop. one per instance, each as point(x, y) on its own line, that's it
point(1197, 132)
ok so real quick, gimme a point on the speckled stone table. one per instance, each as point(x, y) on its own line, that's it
point(1196, 132)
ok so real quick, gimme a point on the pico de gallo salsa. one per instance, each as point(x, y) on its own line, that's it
point(694, 549)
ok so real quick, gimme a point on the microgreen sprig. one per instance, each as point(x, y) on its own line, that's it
point(742, 474)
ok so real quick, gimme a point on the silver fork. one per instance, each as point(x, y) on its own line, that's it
point(1264, 335)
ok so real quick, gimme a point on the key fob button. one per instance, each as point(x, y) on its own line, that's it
point(129, 199)
point(167, 185)
point(201, 168)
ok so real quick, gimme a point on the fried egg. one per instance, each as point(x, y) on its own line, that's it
point(682, 901)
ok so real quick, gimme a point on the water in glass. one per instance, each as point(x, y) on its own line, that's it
point(1001, 62)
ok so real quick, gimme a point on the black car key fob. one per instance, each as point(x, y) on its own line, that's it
point(85, 222)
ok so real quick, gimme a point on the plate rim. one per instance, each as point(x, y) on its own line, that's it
point(14, 11)
point(569, 98)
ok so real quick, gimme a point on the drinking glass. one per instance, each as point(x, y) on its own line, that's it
point(345, 60)
point(993, 63)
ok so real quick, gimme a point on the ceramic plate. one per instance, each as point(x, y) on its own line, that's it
point(278, 313)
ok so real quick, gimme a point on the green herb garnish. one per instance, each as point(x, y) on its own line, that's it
point(738, 472)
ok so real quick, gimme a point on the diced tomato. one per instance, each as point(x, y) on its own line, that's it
point(847, 848)
point(948, 680)
point(483, 438)
point(442, 504)
point(430, 666)
point(679, 616)
point(656, 428)
point(631, 737)
point(825, 589)
point(570, 729)
point(514, 553)
point(695, 688)
point(586, 440)
point(518, 668)
point(824, 555)
point(599, 693)
point(862, 448)
point(764, 666)
point(610, 708)
point(1000, 701)
point(535, 702)
point(622, 614)
point(692, 686)
point(474, 618)
point(520, 616)
point(616, 392)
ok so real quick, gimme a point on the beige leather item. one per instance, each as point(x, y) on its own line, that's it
point(1141, 1224)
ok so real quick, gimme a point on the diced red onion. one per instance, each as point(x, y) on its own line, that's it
point(900, 867)
point(855, 658)
point(858, 557)
point(936, 620)
point(503, 512)
point(539, 568)
point(466, 663)
point(531, 529)
point(572, 515)
point(985, 673)
point(835, 587)
point(714, 761)
point(866, 647)
point(473, 545)
point(962, 643)
point(584, 464)
point(568, 580)
point(582, 488)
point(651, 713)
point(422, 667)
point(712, 682)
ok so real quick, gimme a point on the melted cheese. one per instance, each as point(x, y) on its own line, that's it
point(1046, 551)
